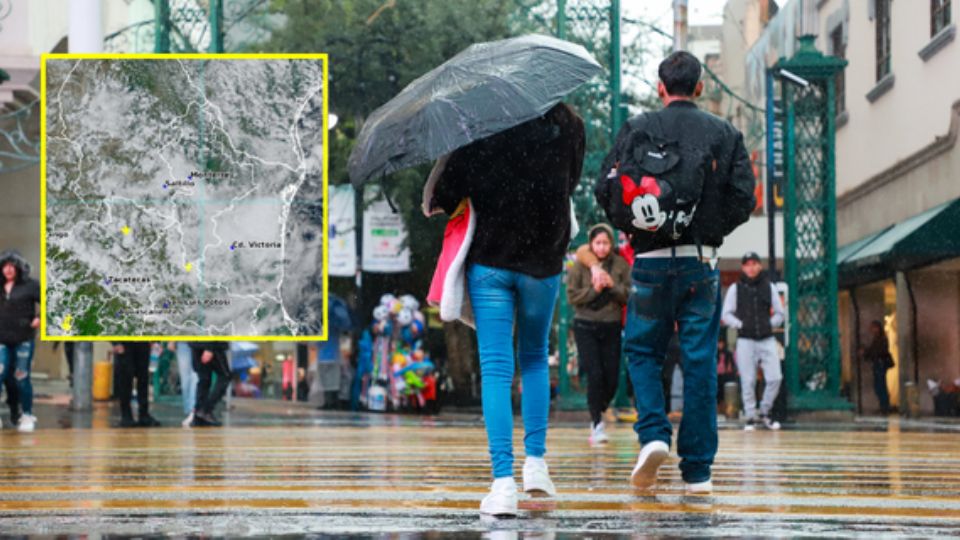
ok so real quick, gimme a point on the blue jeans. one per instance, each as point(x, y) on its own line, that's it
point(499, 298)
point(686, 292)
point(16, 360)
point(188, 377)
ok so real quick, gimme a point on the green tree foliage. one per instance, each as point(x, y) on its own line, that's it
point(377, 47)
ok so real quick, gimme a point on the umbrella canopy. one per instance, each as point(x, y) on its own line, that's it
point(486, 89)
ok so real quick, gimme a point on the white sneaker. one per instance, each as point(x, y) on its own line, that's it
point(536, 478)
point(598, 434)
point(652, 455)
point(700, 488)
point(188, 421)
point(770, 423)
point(27, 423)
point(502, 499)
point(750, 425)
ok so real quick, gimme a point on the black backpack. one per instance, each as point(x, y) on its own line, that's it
point(655, 187)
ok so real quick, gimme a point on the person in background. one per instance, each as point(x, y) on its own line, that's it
point(596, 324)
point(133, 362)
point(878, 354)
point(726, 367)
point(19, 300)
point(209, 359)
point(753, 307)
point(188, 380)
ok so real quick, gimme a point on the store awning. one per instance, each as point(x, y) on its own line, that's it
point(921, 240)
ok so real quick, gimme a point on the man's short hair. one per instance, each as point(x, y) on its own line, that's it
point(680, 73)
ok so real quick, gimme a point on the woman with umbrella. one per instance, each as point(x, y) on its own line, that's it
point(519, 183)
point(516, 157)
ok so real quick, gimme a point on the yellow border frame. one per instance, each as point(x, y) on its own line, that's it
point(43, 190)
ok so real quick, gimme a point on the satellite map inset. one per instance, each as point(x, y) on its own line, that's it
point(184, 197)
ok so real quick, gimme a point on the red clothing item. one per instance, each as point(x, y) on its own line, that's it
point(625, 251)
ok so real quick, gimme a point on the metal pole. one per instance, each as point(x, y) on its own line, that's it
point(562, 19)
point(216, 26)
point(161, 26)
point(82, 394)
point(85, 36)
point(615, 68)
point(85, 32)
point(679, 25)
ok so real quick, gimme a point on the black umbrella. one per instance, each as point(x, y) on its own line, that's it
point(486, 89)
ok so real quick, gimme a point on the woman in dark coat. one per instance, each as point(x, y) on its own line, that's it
point(878, 354)
point(519, 183)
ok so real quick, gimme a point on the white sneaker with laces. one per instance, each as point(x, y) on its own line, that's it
point(188, 421)
point(770, 423)
point(27, 423)
point(598, 434)
point(502, 499)
point(536, 478)
point(652, 455)
point(700, 488)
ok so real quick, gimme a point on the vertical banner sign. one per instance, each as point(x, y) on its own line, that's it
point(384, 237)
point(776, 166)
point(342, 257)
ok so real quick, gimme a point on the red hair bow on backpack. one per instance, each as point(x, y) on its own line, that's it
point(648, 185)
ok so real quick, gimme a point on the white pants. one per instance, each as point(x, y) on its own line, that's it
point(763, 353)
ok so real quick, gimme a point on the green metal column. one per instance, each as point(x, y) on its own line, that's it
point(216, 26)
point(813, 347)
point(161, 26)
point(566, 399)
point(619, 116)
point(615, 69)
point(562, 19)
point(610, 15)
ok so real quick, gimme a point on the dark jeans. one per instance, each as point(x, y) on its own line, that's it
point(208, 400)
point(687, 292)
point(69, 352)
point(880, 386)
point(598, 347)
point(134, 363)
point(7, 371)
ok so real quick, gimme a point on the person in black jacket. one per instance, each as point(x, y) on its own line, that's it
point(209, 359)
point(19, 299)
point(878, 354)
point(676, 281)
point(519, 182)
point(133, 362)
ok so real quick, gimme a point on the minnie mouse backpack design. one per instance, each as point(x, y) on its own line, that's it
point(656, 185)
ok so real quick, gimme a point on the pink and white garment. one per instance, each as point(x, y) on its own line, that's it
point(448, 289)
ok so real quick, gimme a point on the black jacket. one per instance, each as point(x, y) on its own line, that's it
point(19, 307)
point(727, 198)
point(213, 346)
point(753, 307)
point(519, 182)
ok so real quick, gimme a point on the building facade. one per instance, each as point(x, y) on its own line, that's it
point(898, 177)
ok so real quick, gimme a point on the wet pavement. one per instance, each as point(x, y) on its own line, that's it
point(281, 469)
